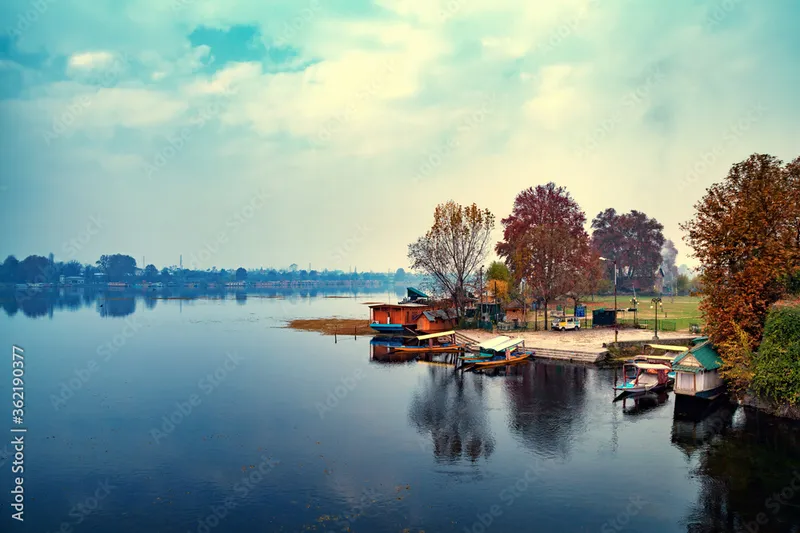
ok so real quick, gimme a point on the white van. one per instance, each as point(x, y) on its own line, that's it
point(564, 323)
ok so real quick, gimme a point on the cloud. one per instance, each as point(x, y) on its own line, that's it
point(344, 103)
point(90, 60)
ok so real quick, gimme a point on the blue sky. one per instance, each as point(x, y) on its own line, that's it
point(262, 133)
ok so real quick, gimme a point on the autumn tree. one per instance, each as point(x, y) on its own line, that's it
point(453, 249)
point(632, 239)
point(746, 236)
point(544, 243)
point(587, 278)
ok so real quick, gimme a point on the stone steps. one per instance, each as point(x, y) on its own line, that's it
point(568, 355)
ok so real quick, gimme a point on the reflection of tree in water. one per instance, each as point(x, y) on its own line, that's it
point(451, 411)
point(35, 306)
point(694, 427)
point(546, 405)
point(150, 302)
point(9, 303)
point(748, 471)
point(69, 300)
point(241, 298)
point(116, 306)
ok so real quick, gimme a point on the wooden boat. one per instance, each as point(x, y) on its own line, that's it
point(647, 377)
point(425, 343)
point(499, 351)
point(520, 357)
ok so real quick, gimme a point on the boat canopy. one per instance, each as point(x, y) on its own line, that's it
point(667, 347)
point(491, 343)
point(510, 343)
point(654, 357)
point(651, 366)
point(435, 335)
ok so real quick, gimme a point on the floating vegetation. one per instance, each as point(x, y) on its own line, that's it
point(331, 326)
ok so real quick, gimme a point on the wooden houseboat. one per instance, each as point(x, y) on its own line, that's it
point(697, 371)
point(395, 318)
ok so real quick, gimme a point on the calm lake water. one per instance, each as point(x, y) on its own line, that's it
point(176, 415)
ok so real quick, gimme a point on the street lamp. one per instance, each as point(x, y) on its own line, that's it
point(656, 302)
point(635, 303)
point(616, 328)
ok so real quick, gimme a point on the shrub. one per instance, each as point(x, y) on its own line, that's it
point(776, 365)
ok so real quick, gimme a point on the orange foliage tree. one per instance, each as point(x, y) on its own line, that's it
point(746, 236)
point(453, 249)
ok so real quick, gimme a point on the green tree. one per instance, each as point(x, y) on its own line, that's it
point(150, 273)
point(241, 274)
point(9, 271)
point(499, 271)
point(399, 275)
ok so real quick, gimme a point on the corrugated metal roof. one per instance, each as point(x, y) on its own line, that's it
point(705, 354)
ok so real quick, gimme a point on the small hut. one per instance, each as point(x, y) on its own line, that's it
point(697, 371)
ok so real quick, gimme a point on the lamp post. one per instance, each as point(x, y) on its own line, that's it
point(656, 302)
point(616, 328)
point(635, 303)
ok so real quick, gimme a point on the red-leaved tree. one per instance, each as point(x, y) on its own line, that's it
point(544, 242)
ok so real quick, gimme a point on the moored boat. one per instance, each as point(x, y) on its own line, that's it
point(646, 377)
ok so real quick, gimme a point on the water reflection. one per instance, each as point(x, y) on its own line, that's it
point(546, 401)
point(642, 403)
point(121, 302)
point(750, 478)
point(449, 411)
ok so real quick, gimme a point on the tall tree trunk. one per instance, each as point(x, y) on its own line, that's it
point(545, 314)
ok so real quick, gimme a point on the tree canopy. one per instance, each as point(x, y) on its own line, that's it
point(453, 249)
point(544, 242)
point(632, 239)
point(746, 236)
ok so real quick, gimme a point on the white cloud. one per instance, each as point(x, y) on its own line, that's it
point(90, 60)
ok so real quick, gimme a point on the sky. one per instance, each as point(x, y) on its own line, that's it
point(324, 132)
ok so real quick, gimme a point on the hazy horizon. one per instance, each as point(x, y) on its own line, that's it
point(326, 131)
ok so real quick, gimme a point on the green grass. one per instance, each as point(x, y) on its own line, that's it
point(681, 307)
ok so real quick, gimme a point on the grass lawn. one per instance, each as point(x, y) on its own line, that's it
point(676, 313)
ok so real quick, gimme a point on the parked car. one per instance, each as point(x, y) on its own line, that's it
point(565, 323)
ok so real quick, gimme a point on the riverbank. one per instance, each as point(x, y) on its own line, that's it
point(585, 340)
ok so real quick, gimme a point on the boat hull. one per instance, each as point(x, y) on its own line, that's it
point(387, 328)
point(429, 349)
point(501, 362)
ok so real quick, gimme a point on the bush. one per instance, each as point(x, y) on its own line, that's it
point(776, 365)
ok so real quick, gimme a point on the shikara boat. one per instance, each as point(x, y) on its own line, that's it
point(445, 342)
point(499, 351)
point(646, 377)
point(518, 357)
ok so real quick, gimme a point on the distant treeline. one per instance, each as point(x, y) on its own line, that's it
point(123, 268)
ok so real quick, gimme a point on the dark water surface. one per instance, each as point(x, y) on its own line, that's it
point(170, 415)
